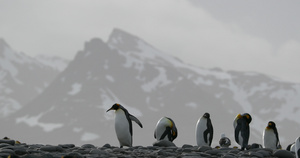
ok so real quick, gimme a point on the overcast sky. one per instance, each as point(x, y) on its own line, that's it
point(254, 35)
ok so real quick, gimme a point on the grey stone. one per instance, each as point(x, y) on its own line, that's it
point(213, 151)
point(283, 154)
point(50, 148)
point(7, 141)
point(265, 153)
point(107, 145)
point(97, 151)
point(186, 146)
point(67, 145)
point(73, 155)
point(7, 151)
point(161, 152)
point(234, 151)
point(32, 151)
point(225, 149)
point(268, 149)
point(154, 153)
point(229, 156)
point(4, 154)
point(163, 143)
point(21, 151)
point(255, 154)
point(119, 150)
point(4, 145)
point(88, 146)
point(204, 148)
point(186, 150)
point(190, 154)
point(82, 151)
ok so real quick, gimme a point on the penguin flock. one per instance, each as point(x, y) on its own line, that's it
point(166, 130)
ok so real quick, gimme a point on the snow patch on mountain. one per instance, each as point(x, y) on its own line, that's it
point(8, 106)
point(89, 136)
point(201, 80)
point(160, 81)
point(110, 78)
point(192, 105)
point(290, 107)
point(77, 129)
point(76, 88)
point(239, 95)
point(33, 121)
point(7, 63)
point(55, 62)
point(132, 61)
point(260, 88)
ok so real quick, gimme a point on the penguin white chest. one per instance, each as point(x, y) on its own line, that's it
point(269, 139)
point(122, 128)
point(201, 126)
point(160, 129)
point(241, 140)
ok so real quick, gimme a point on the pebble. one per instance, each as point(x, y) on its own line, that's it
point(204, 148)
point(7, 141)
point(163, 143)
point(51, 148)
point(66, 145)
point(167, 149)
point(88, 146)
point(283, 154)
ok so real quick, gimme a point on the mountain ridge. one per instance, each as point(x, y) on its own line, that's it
point(151, 84)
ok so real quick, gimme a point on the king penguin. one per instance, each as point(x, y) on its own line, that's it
point(242, 129)
point(204, 131)
point(270, 136)
point(297, 147)
point(123, 124)
point(165, 129)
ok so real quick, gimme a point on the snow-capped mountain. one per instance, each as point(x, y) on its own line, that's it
point(55, 62)
point(21, 79)
point(150, 84)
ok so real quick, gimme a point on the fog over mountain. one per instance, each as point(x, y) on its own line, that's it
point(150, 84)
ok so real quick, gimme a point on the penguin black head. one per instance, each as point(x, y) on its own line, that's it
point(247, 117)
point(271, 125)
point(116, 106)
point(206, 115)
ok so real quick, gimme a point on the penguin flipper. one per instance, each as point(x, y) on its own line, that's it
point(133, 118)
point(166, 132)
point(236, 133)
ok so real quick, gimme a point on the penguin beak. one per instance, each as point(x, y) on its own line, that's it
point(109, 109)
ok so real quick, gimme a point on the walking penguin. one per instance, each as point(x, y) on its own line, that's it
point(123, 124)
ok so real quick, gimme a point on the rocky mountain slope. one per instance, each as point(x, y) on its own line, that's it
point(21, 79)
point(150, 84)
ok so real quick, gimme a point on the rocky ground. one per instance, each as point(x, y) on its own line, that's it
point(11, 148)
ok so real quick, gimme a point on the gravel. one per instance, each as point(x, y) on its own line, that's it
point(9, 148)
